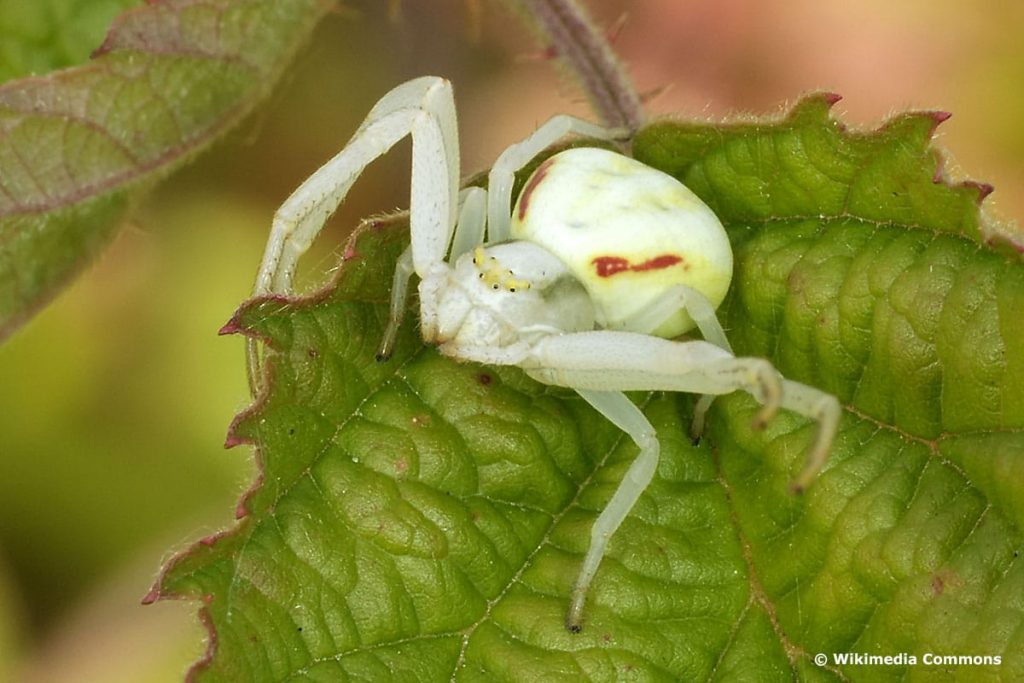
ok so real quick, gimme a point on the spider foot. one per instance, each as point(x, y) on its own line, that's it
point(574, 617)
point(387, 343)
point(700, 412)
point(826, 410)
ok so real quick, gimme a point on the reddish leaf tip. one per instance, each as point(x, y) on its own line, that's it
point(232, 440)
point(984, 189)
point(937, 118)
point(230, 327)
point(101, 50)
point(152, 596)
point(831, 98)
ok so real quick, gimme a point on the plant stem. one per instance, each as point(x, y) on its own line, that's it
point(585, 51)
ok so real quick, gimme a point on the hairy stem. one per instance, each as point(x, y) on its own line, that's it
point(583, 49)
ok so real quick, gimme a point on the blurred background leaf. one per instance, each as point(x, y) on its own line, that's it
point(10, 633)
point(79, 143)
point(47, 35)
point(87, 446)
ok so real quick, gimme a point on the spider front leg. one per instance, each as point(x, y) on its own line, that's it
point(600, 364)
point(423, 108)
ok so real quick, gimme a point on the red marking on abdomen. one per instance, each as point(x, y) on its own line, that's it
point(535, 179)
point(606, 266)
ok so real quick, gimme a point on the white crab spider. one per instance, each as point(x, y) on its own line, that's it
point(601, 259)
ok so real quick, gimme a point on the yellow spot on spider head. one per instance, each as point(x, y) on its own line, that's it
point(494, 275)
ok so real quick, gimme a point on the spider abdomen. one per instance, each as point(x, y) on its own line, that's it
point(626, 231)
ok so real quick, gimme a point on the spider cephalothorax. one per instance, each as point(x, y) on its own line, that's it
point(583, 284)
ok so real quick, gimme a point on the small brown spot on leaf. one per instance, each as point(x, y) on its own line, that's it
point(944, 580)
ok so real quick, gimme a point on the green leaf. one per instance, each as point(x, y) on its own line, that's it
point(423, 520)
point(47, 35)
point(11, 626)
point(79, 144)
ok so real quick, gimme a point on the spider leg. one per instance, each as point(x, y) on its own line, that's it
point(502, 175)
point(702, 312)
point(609, 360)
point(424, 108)
point(819, 406)
point(649, 317)
point(800, 398)
point(621, 412)
point(700, 413)
point(399, 291)
point(469, 232)
point(597, 364)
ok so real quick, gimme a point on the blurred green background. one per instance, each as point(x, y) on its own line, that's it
point(115, 400)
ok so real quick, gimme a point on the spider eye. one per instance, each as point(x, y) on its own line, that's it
point(494, 286)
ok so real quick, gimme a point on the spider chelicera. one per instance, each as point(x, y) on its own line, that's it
point(582, 284)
